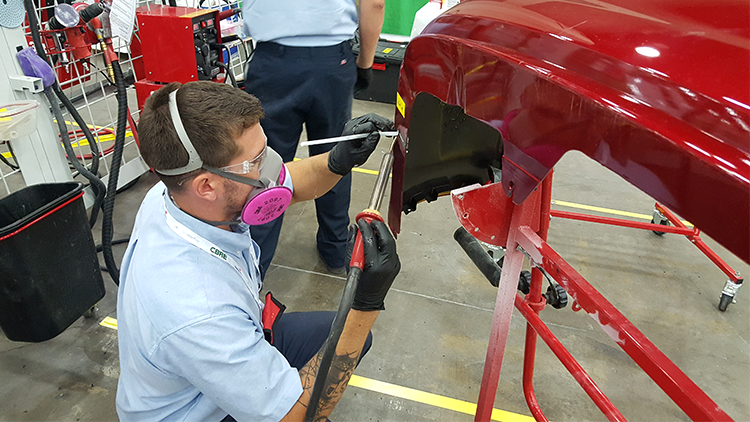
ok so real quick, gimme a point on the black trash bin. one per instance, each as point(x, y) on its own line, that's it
point(49, 271)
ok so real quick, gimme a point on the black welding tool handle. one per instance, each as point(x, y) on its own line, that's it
point(478, 255)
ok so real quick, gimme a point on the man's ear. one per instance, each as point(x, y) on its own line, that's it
point(204, 186)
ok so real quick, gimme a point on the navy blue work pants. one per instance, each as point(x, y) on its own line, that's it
point(300, 335)
point(314, 86)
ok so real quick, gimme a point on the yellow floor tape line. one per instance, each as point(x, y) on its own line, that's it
point(562, 203)
point(356, 169)
point(608, 211)
point(83, 142)
point(432, 399)
point(365, 171)
point(102, 138)
point(406, 393)
point(600, 209)
point(109, 322)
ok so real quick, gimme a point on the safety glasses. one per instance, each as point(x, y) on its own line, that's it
point(247, 166)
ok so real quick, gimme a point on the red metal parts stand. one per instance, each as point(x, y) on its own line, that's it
point(660, 225)
point(489, 215)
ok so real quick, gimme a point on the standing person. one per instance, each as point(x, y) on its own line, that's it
point(195, 340)
point(303, 71)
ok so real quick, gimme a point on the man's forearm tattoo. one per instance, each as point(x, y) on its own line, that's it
point(341, 370)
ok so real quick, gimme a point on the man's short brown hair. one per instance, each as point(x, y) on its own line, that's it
point(214, 116)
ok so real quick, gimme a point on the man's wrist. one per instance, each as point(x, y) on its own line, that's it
point(364, 316)
point(364, 63)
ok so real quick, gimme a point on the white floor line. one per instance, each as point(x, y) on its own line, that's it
point(442, 300)
point(308, 271)
point(423, 296)
point(568, 327)
point(392, 289)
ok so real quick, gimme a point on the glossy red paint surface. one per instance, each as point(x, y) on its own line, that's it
point(657, 92)
point(470, 205)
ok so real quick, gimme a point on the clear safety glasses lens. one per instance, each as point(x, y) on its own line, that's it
point(247, 166)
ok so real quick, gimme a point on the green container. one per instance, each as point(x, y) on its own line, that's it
point(399, 16)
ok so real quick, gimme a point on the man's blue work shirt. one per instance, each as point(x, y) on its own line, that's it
point(190, 333)
point(300, 23)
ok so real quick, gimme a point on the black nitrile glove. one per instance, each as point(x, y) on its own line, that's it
point(347, 154)
point(381, 264)
point(364, 77)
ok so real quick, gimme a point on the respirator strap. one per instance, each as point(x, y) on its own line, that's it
point(194, 160)
point(220, 223)
point(262, 183)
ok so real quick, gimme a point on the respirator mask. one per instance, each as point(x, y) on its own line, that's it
point(269, 197)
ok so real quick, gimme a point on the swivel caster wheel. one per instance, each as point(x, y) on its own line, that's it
point(659, 218)
point(725, 301)
point(729, 293)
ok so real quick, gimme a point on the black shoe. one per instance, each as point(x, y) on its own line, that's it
point(330, 269)
point(336, 270)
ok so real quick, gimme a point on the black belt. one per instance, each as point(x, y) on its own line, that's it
point(276, 49)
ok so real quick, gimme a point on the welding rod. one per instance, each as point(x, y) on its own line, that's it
point(345, 138)
point(382, 181)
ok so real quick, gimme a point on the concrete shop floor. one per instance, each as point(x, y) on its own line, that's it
point(433, 335)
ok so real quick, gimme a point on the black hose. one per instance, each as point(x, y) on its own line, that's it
point(82, 170)
point(34, 28)
point(13, 155)
point(228, 72)
point(90, 12)
point(98, 189)
point(114, 173)
point(99, 248)
point(81, 124)
point(5, 160)
point(337, 327)
point(479, 256)
point(122, 114)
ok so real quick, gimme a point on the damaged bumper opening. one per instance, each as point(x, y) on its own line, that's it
point(445, 149)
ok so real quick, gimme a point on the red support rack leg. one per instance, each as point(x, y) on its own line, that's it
point(506, 293)
point(522, 239)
